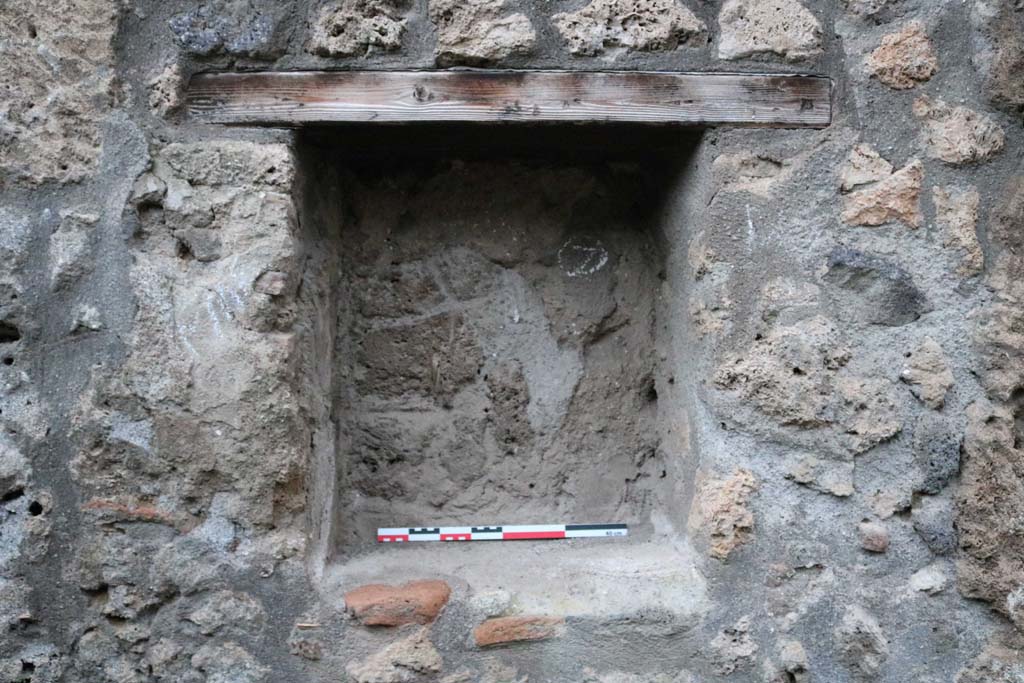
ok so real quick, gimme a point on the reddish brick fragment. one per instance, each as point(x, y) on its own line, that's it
point(513, 629)
point(417, 602)
point(130, 512)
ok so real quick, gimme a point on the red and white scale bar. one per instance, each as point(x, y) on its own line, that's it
point(520, 532)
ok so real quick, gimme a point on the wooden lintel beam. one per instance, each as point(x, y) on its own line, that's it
point(472, 96)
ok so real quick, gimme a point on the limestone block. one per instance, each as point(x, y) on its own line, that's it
point(353, 27)
point(722, 512)
point(229, 162)
point(883, 198)
point(1015, 606)
point(400, 662)
point(928, 374)
point(782, 27)
point(783, 375)
point(228, 663)
point(15, 233)
point(933, 521)
point(58, 86)
point(861, 642)
point(999, 333)
point(128, 602)
point(148, 190)
point(14, 468)
point(957, 135)
point(998, 28)
point(162, 656)
point(863, 166)
point(868, 411)
point(904, 58)
point(228, 611)
point(99, 651)
point(630, 25)
point(990, 501)
point(42, 660)
point(479, 32)
point(873, 290)
point(956, 213)
point(399, 292)
point(492, 603)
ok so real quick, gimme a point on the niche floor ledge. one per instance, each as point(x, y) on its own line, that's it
point(597, 579)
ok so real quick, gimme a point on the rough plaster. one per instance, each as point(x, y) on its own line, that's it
point(838, 311)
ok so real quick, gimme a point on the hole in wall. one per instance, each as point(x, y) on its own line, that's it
point(495, 345)
point(183, 250)
point(9, 332)
point(13, 494)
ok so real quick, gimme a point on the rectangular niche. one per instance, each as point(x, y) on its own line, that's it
point(492, 343)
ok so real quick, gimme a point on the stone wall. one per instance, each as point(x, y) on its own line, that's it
point(842, 432)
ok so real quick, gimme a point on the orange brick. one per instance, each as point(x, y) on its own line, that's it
point(513, 629)
point(417, 602)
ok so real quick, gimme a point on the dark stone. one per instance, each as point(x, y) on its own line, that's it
point(937, 452)
point(203, 245)
point(254, 39)
point(872, 290)
point(1005, 82)
point(9, 332)
point(933, 521)
point(198, 31)
point(236, 28)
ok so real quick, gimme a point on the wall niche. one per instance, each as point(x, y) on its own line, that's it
point(495, 346)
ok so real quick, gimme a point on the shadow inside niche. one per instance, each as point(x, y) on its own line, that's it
point(493, 300)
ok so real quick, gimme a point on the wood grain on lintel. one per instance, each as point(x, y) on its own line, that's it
point(700, 99)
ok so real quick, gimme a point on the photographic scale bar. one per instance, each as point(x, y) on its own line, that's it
point(521, 532)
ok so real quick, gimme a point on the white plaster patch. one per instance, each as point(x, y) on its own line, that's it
point(582, 256)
